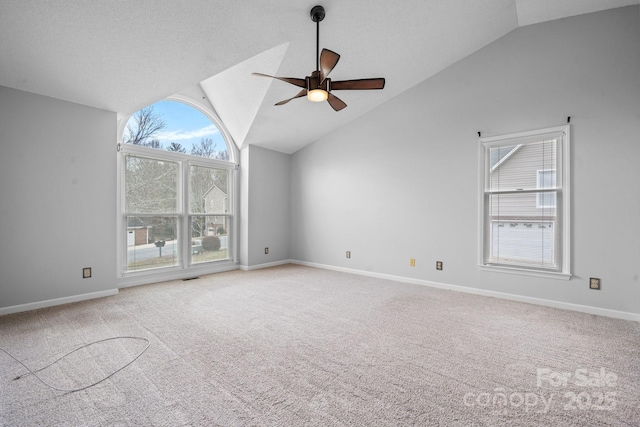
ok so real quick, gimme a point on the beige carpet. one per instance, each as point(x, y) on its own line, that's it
point(297, 346)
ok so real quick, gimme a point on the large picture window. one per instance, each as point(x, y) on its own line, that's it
point(525, 201)
point(176, 198)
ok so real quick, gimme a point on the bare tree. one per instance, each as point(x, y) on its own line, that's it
point(205, 148)
point(141, 131)
point(209, 149)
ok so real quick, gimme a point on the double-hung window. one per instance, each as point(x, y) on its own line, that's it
point(525, 202)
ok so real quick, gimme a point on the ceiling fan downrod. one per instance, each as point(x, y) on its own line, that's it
point(317, 15)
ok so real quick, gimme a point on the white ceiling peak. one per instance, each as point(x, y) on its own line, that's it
point(237, 96)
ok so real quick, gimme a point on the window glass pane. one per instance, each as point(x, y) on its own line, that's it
point(177, 127)
point(151, 186)
point(526, 243)
point(520, 232)
point(516, 167)
point(151, 242)
point(209, 190)
point(209, 238)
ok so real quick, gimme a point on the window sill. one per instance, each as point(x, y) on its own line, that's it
point(144, 277)
point(526, 272)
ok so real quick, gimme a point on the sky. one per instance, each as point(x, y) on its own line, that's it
point(185, 125)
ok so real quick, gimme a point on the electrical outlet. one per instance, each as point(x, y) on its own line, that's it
point(348, 254)
point(266, 251)
point(594, 283)
point(438, 265)
point(412, 262)
point(86, 272)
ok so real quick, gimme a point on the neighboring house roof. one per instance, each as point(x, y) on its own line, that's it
point(136, 222)
point(206, 193)
point(500, 155)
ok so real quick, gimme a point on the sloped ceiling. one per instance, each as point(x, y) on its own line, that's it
point(123, 55)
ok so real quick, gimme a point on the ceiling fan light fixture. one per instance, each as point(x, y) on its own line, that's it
point(317, 95)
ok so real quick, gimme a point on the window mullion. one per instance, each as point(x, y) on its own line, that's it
point(525, 191)
point(185, 238)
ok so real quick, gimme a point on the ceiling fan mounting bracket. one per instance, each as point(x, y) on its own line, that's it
point(317, 13)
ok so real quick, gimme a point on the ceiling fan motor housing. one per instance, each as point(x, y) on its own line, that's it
point(313, 82)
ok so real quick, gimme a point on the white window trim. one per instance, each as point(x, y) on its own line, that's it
point(184, 270)
point(564, 208)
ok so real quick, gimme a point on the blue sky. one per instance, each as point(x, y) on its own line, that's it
point(186, 126)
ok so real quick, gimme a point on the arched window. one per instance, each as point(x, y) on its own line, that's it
point(176, 127)
point(177, 186)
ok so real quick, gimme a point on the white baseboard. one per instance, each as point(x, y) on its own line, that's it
point(266, 265)
point(57, 301)
point(513, 297)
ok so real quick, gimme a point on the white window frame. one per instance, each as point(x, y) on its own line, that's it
point(563, 180)
point(184, 269)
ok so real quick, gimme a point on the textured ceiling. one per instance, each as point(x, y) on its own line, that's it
point(121, 55)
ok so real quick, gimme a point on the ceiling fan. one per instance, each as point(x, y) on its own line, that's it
point(318, 86)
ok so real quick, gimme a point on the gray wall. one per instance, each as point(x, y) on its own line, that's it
point(402, 181)
point(265, 214)
point(57, 198)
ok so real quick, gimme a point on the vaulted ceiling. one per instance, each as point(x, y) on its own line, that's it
point(121, 55)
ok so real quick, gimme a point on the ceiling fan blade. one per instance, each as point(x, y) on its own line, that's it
point(300, 94)
point(328, 60)
point(292, 80)
point(335, 102)
point(360, 84)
